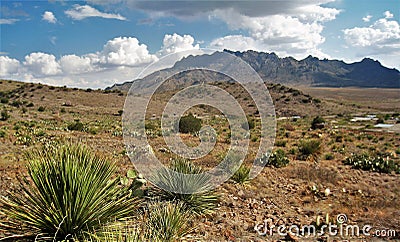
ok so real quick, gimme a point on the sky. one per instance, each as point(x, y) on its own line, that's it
point(97, 43)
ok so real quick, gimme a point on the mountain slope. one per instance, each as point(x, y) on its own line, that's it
point(288, 71)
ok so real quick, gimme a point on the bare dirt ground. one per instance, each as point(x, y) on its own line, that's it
point(278, 196)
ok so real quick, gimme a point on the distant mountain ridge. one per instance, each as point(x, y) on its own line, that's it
point(320, 73)
point(310, 71)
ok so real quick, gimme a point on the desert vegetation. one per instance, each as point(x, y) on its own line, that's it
point(322, 163)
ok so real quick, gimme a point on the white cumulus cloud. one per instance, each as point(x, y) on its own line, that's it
point(73, 64)
point(39, 64)
point(8, 66)
point(79, 12)
point(49, 17)
point(388, 14)
point(367, 18)
point(176, 43)
point(125, 51)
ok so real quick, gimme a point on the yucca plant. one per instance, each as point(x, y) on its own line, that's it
point(71, 191)
point(310, 150)
point(242, 175)
point(200, 200)
point(160, 221)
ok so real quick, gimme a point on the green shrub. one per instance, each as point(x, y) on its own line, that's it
point(280, 143)
point(4, 115)
point(201, 201)
point(189, 124)
point(317, 122)
point(29, 105)
point(250, 124)
point(329, 156)
point(168, 221)
point(278, 159)
point(310, 149)
point(41, 109)
point(374, 162)
point(16, 103)
point(77, 126)
point(2, 133)
point(71, 192)
point(4, 100)
point(242, 175)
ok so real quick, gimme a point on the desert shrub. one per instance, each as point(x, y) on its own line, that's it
point(200, 201)
point(77, 126)
point(168, 221)
point(278, 159)
point(4, 100)
point(317, 121)
point(2, 133)
point(375, 162)
point(242, 175)
point(280, 143)
point(41, 109)
point(71, 192)
point(329, 156)
point(189, 124)
point(29, 105)
point(16, 103)
point(4, 115)
point(309, 149)
point(398, 151)
point(62, 110)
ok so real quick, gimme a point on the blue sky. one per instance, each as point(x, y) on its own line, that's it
point(97, 43)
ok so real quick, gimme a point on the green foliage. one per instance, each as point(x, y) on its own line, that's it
point(317, 121)
point(41, 109)
point(374, 162)
point(4, 100)
point(2, 133)
point(280, 143)
point(71, 192)
point(329, 156)
point(250, 124)
point(310, 149)
point(278, 159)
point(242, 175)
point(189, 124)
point(77, 125)
point(168, 221)
point(4, 115)
point(201, 200)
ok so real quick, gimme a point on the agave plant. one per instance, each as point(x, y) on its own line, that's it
point(70, 192)
point(201, 200)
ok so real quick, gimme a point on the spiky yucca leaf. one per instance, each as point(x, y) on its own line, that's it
point(200, 200)
point(71, 191)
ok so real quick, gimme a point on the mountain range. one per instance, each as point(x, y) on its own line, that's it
point(310, 71)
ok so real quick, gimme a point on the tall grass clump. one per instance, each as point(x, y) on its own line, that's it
point(201, 200)
point(70, 192)
point(310, 149)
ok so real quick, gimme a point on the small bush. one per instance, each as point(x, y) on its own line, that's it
point(317, 122)
point(189, 124)
point(329, 156)
point(4, 115)
point(250, 124)
point(280, 143)
point(4, 100)
point(29, 105)
point(77, 126)
point(242, 175)
point(310, 149)
point(277, 159)
point(376, 163)
point(16, 103)
point(2, 133)
point(41, 109)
